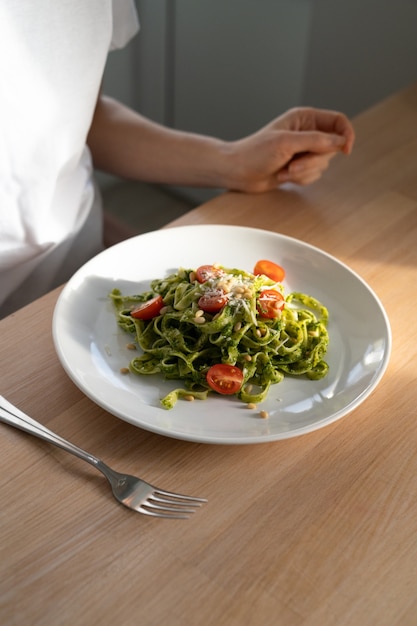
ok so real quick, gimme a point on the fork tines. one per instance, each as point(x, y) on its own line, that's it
point(168, 504)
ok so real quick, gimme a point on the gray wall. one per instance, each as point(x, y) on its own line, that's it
point(226, 67)
point(360, 51)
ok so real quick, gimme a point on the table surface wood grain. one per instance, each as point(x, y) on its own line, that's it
point(319, 530)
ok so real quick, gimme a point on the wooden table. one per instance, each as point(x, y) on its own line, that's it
point(318, 530)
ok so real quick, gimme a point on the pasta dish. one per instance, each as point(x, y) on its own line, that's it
point(224, 330)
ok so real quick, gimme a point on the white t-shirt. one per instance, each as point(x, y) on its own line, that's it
point(52, 58)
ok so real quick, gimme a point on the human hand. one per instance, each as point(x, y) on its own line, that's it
point(296, 147)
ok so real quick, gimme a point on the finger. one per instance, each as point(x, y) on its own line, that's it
point(304, 169)
point(304, 178)
point(309, 178)
point(324, 120)
point(315, 142)
point(309, 161)
point(337, 123)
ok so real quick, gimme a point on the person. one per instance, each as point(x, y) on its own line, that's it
point(57, 127)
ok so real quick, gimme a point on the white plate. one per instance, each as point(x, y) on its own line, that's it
point(92, 349)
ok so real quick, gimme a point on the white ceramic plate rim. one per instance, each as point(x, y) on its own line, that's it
point(92, 349)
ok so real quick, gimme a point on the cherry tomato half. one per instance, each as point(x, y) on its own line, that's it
point(270, 303)
point(208, 272)
point(212, 301)
point(270, 269)
point(149, 309)
point(225, 379)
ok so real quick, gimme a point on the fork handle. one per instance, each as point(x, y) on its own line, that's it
point(9, 414)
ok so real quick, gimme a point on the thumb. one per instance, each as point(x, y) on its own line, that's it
point(312, 141)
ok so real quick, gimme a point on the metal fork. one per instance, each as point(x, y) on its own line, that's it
point(131, 491)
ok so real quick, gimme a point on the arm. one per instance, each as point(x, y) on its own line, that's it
point(296, 147)
point(129, 145)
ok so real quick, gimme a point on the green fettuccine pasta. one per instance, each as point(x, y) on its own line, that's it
point(182, 341)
